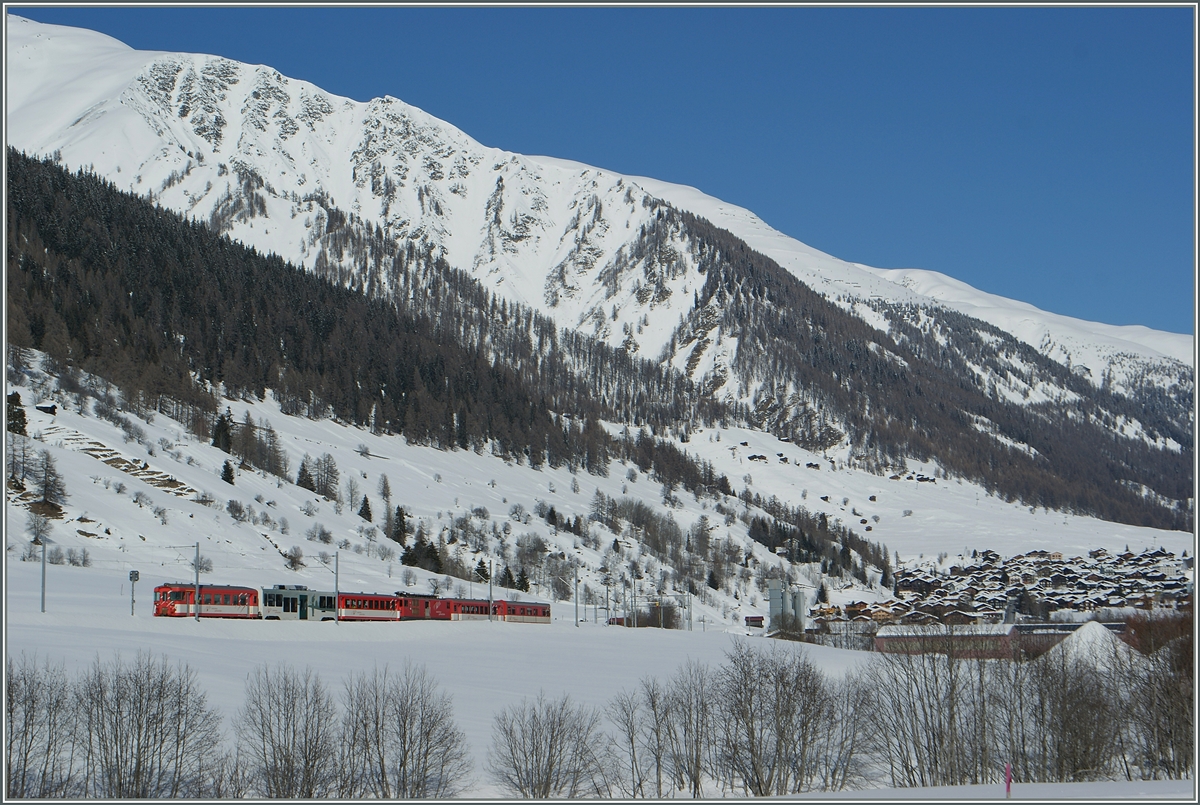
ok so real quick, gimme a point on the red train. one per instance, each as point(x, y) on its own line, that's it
point(297, 602)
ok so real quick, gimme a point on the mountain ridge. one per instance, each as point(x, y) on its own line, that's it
point(155, 82)
point(335, 185)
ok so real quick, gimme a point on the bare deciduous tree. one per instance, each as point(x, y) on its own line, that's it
point(626, 712)
point(402, 737)
point(294, 558)
point(547, 748)
point(773, 708)
point(693, 720)
point(145, 730)
point(39, 727)
point(37, 526)
point(287, 733)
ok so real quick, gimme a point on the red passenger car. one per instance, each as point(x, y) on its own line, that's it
point(178, 600)
point(523, 611)
point(369, 607)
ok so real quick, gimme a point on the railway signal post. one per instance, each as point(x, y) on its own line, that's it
point(133, 579)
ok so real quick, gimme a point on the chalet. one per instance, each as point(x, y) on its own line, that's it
point(856, 608)
point(958, 617)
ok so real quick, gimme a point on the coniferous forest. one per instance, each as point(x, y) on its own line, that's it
point(176, 316)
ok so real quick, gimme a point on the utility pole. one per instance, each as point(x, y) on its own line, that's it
point(576, 596)
point(337, 588)
point(197, 582)
point(633, 586)
point(491, 573)
point(43, 540)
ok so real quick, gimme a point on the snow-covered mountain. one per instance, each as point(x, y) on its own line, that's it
point(328, 183)
point(268, 157)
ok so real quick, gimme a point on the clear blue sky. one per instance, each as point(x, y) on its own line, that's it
point(1044, 154)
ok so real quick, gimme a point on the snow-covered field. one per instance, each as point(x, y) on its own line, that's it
point(485, 666)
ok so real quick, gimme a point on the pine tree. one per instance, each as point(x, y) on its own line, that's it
point(223, 432)
point(506, 578)
point(364, 511)
point(400, 526)
point(47, 481)
point(16, 414)
point(245, 442)
point(413, 553)
point(227, 473)
point(304, 477)
point(522, 583)
point(385, 489)
point(433, 558)
point(823, 594)
point(481, 571)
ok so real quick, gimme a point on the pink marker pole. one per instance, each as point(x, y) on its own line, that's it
point(1008, 781)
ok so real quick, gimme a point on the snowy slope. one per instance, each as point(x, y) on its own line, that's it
point(268, 159)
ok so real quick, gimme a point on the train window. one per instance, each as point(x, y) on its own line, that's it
point(227, 599)
point(207, 598)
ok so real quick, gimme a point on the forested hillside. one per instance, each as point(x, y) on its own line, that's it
point(427, 352)
point(170, 313)
point(921, 392)
point(175, 317)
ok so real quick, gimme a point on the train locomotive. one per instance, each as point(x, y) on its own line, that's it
point(297, 602)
